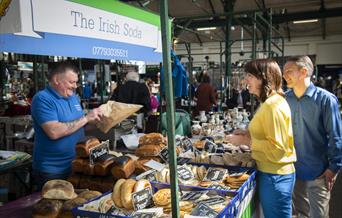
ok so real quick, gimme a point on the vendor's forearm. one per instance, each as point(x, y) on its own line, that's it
point(56, 130)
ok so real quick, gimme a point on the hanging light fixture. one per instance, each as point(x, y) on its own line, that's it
point(242, 53)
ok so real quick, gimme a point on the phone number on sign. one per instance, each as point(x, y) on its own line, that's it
point(112, 52)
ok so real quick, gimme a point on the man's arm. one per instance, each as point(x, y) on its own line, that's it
point(56, 130)
point(332, 123)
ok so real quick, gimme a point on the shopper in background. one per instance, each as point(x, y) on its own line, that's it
point(58, 122)
point(270, 136)
point(134, 92)
point(318, 138)
point(205, 95)
point(154, 103)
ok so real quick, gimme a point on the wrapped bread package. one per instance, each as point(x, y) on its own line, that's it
point(115, 112)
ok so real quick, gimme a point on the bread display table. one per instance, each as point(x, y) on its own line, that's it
point(16, 168)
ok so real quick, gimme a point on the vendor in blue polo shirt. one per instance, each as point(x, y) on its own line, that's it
point(58, 121)
point(317, 131)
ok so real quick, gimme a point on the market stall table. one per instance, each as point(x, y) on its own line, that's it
point(21, 208)
point(14, 169)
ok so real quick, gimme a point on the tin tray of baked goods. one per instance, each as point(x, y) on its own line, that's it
point(242, 191)
point(240, 187)
point(249, 184)
point(228, 204)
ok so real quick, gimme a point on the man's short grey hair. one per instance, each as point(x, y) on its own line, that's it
point(132, 76)
point(303, 61)
point(60, 68)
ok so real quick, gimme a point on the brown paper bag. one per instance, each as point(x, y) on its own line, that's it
point(115, 112)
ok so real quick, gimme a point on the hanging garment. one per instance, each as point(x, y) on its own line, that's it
point(179, 77)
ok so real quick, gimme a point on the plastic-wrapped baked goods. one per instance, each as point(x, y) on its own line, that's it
point(47, 208)
point(58, 189)
point(83, 146)
point(123, 167)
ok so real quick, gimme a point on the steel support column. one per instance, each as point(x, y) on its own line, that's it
point(228, 8)
point(170, 111)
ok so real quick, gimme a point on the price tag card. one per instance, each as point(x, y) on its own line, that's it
point(183, 160)
point(237, 174)
point(215, 174)
point(155, 165)
point(143, 215)
point(187, 144)
point(210, 146)
point(204, 210)
point(213, 200)
point(149, 175)
point(164, 155)
point(219, 187)
point(116, 211)
point(196, 151)
point(142, 199)
point(193, 195)
point(184, 173)
point(98, 151)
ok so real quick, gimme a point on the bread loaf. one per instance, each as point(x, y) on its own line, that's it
point(46, 208)
point(74, 179)
point(85, 182)
point(58, 189)
point(123, 167)
point(139, 164)
point(88, 195)
point(95, 183)
point(69, 205)
point(77, 165)
point(88, 169)
point(83, 146)
point(107, 183)
point(149, 150)
point(152, 138)
point(103, 165)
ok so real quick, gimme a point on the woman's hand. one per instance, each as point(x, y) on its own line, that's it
point(239, 139)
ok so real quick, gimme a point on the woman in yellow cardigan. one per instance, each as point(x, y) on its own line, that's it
point(270, 136)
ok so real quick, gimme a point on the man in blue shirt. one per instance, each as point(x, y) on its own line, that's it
point(317, 131)
point(58, 121)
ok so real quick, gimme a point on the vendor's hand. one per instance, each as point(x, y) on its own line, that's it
point(94, 115)
point(238, 139)
point(330, 178)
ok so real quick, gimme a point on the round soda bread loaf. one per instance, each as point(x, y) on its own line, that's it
point(58, 189)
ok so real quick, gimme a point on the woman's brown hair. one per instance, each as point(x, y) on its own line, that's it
point(268, 71)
